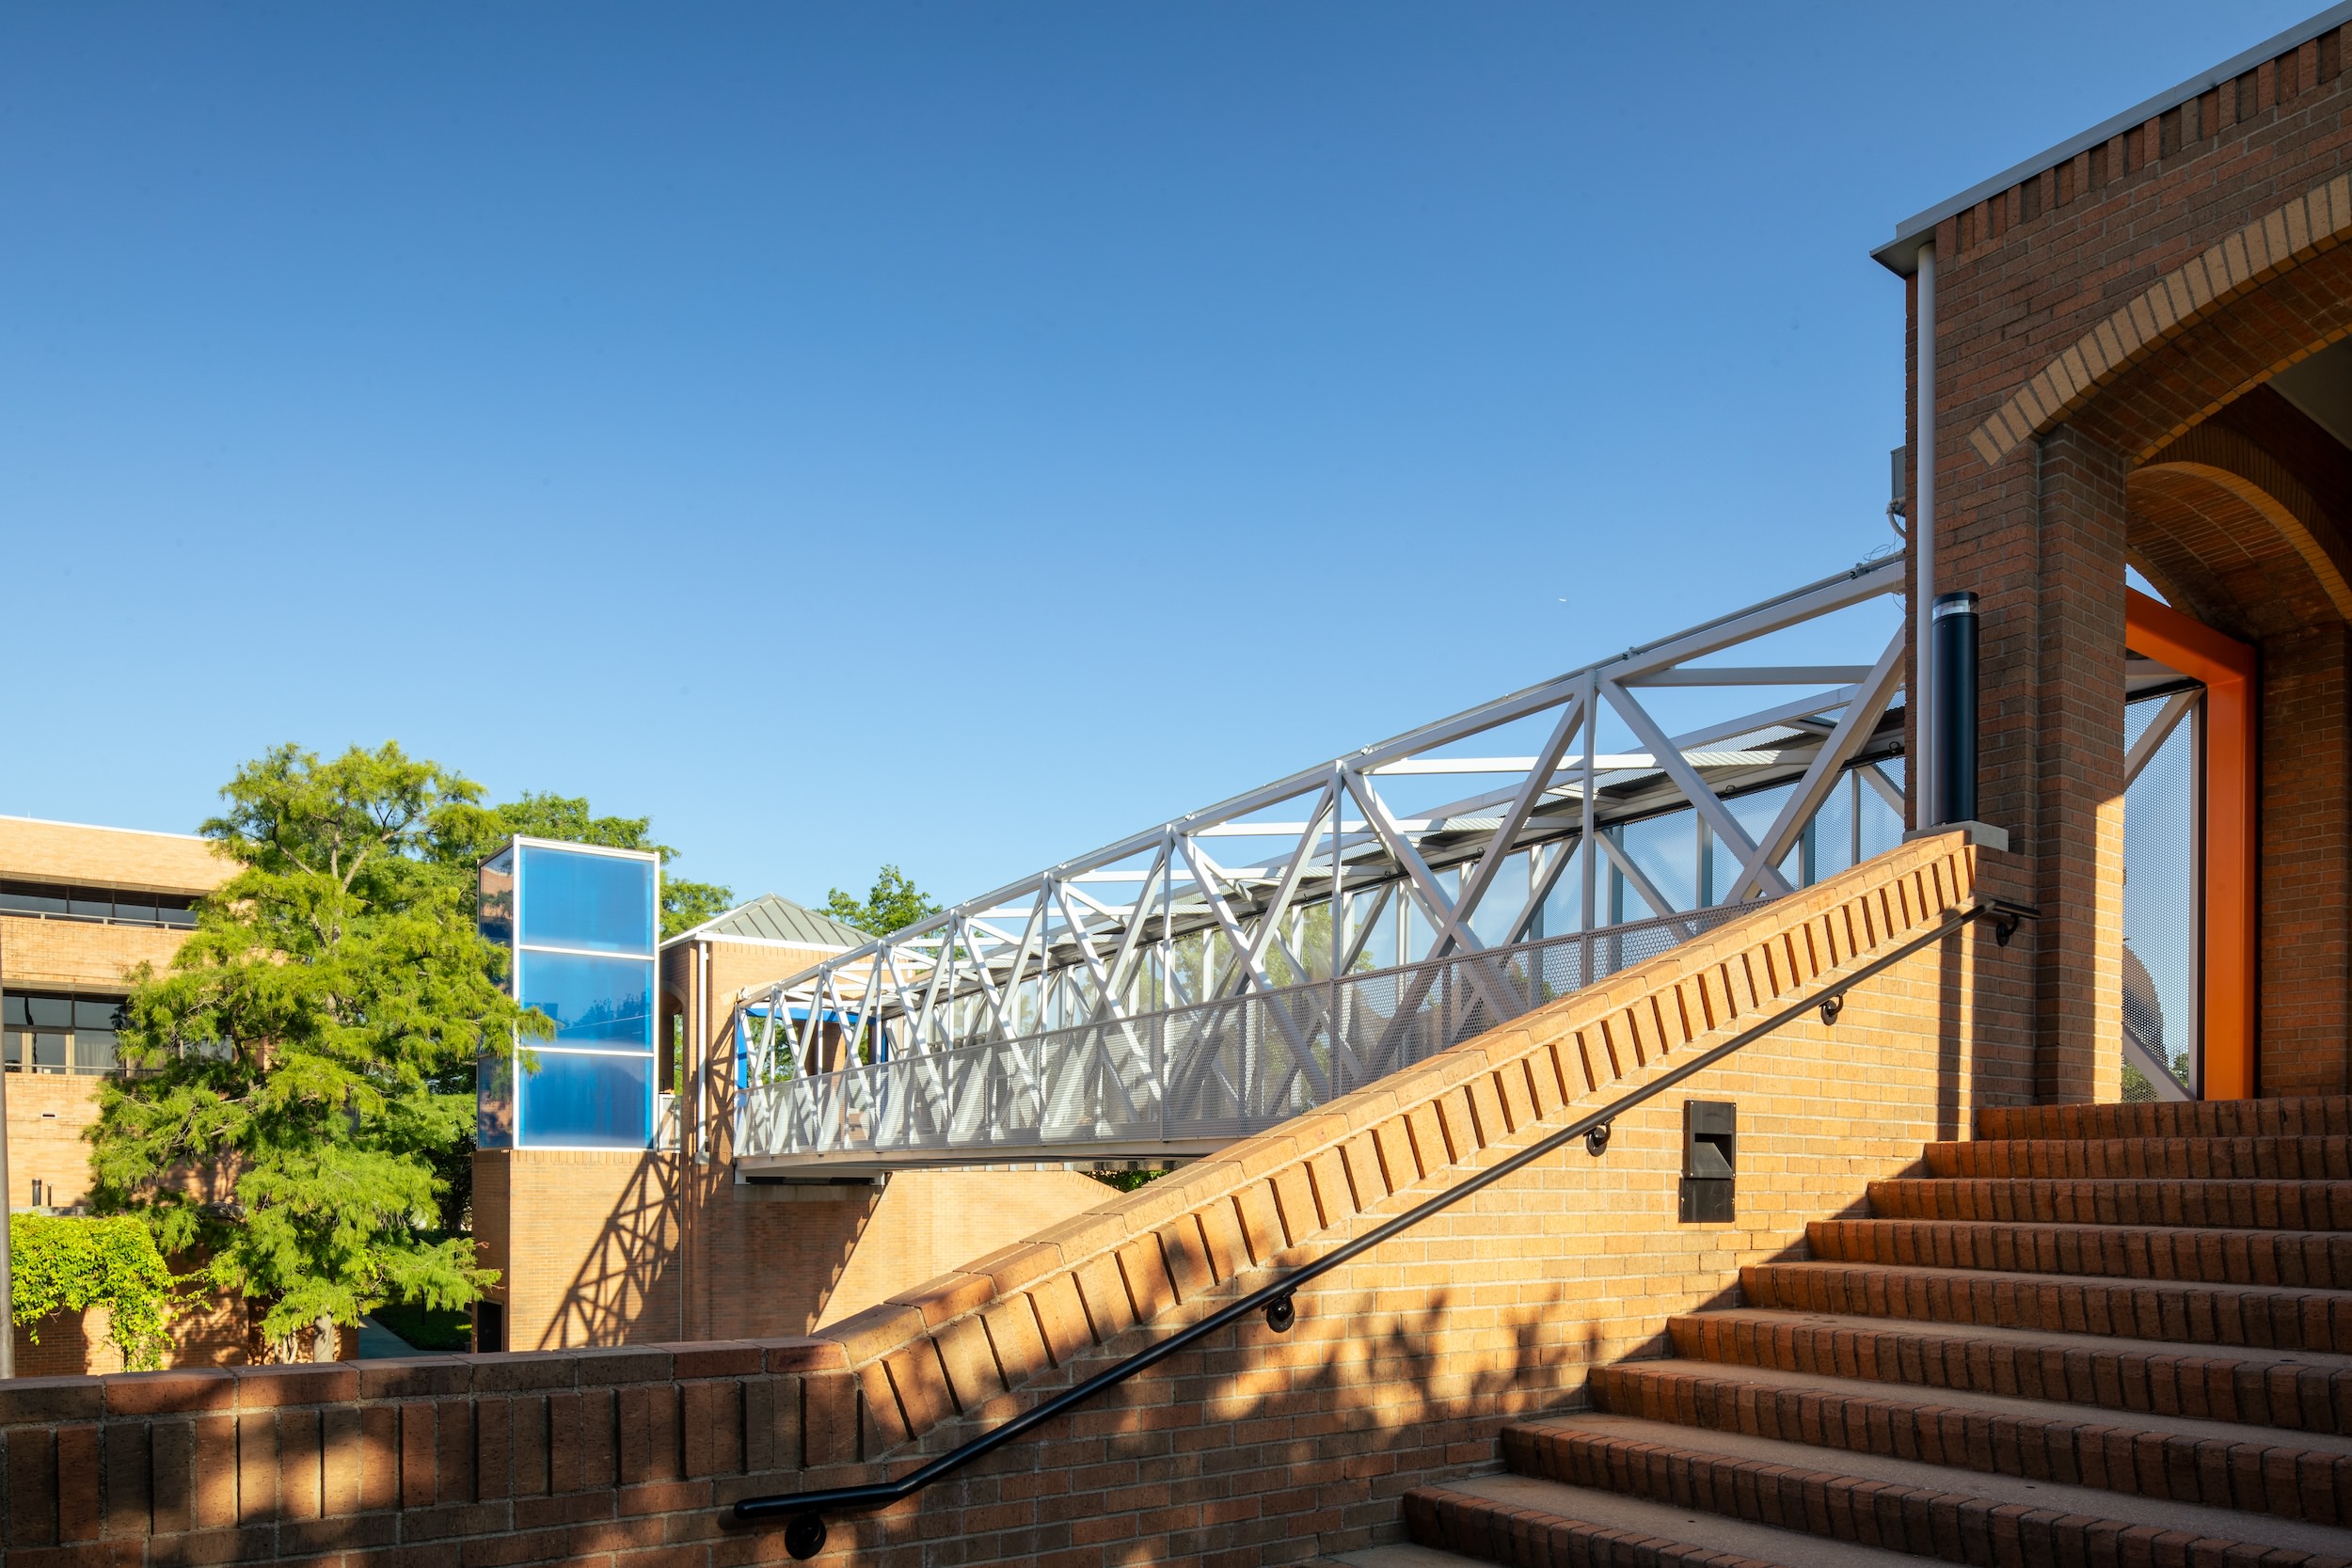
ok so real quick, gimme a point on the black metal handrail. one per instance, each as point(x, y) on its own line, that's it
point(805, 1535)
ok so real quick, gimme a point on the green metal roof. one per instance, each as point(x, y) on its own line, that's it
point(769, 918)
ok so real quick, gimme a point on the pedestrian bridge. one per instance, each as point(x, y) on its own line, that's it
point(1214, 975)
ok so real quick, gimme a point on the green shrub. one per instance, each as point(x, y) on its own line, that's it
point(65, 1265)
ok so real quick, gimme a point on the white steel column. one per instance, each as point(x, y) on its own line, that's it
point(1920, 774)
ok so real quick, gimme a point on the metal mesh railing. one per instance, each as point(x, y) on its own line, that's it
point(1215, 1070)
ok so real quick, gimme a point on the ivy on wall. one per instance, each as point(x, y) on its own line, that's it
point(67, 1264)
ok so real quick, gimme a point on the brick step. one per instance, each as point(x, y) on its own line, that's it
point(1396, 1554)
point(2232, 1205)
point(1904, 1505)
point(2272, 1317)
point(1525, 1521)
point(2301, 1476)
point(2295, 1391)
point(2311, 1158)
point(2326, 1115)
point(2320, 1260)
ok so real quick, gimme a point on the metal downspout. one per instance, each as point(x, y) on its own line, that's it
point(1920, 773)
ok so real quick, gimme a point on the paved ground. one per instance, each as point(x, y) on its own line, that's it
point(377, 1342)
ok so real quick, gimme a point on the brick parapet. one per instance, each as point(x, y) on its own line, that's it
point(2125, 235)
point(1400, 1366)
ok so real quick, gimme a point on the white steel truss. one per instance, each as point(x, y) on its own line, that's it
point(1355, 852)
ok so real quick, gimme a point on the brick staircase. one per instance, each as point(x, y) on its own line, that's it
point(2109, 1334)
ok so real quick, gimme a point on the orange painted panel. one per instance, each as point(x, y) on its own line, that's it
point(2233, 783)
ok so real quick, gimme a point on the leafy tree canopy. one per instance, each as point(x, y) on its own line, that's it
point(300, 1103)
point(310, 1050)
point(893, 904)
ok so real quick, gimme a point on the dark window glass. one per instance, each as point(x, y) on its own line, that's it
point(603, 903)
point(597, 1004)
point(91, 903)
point(599, 1102)
point(136, 905)
point(49, 1053)
point(12, 1012)
point(13, 1044)
point(494, 1101)
point(168, 915)
point(495, 911)
point(27, 898)
point(97, 1015)
point(50, 1012)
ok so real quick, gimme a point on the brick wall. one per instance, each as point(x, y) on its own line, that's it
point(587, 1243)
point(79, 954)
point(1257, 1448)
point(2104, 327)
point(71, 852)
point(47, 1113)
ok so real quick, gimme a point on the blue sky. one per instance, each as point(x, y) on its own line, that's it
point(950, 435)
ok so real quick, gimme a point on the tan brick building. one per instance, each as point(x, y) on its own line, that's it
point(81, 908)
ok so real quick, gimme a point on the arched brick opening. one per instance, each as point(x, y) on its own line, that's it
point(2228, 519)
point(2238, 508)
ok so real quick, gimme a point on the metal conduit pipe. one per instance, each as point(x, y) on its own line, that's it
point(1928, 811)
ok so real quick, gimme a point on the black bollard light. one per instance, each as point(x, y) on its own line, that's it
point(1955, 717)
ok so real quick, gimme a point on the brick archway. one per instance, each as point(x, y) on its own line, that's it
point(2239, 521)
point(2233, 533)
point(2274, 293)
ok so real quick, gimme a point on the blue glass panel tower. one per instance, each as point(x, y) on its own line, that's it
point(579, 925)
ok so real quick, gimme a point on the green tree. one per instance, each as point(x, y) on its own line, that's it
point(892, 905)
point(307, 1058)
point(473, 836)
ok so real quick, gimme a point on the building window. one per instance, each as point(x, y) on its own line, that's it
point(59, 1034)
point(114, 905)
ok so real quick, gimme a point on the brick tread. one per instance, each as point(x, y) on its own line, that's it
point(2274, 1317)
point(2184, 1461)
point(2319, 1116)
point(2238, 1205)
point(2320, 1260)
point(2294, 1392)
point(1522, 1519)
point(1906, 1505)
point(2111, 1334)
point(2305, 1159)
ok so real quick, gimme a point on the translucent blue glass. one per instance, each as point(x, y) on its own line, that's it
point(603, 903)
point(595, 1102)
point(597, 1004)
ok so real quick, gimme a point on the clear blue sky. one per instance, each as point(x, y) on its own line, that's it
point(953, 433)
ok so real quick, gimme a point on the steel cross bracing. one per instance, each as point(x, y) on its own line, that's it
point(1036, 1019)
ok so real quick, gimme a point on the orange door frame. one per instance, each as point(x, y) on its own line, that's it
point(2231, 789)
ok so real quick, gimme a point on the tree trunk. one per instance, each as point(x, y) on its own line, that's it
point(323, 1346)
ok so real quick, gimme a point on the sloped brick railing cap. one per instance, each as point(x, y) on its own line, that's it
point(987, 1329)
point(912, 1332)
